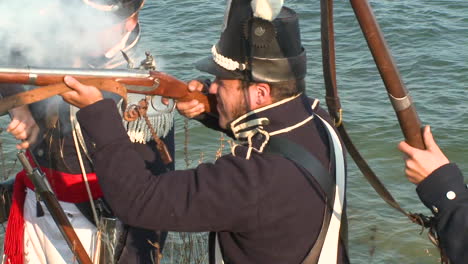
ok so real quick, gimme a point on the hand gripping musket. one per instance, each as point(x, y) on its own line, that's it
point(397, 93)
point(401, 101)
point(147, 82)
point(42, 188)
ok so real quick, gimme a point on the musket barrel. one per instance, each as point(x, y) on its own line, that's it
point(47, 76)
point(398, 94)
point(24, 161)
point(127, 73)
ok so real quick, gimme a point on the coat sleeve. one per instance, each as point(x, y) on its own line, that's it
point(10, 89)
point(445, 193)
point(186, 200)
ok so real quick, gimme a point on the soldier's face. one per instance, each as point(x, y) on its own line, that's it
point(231, 97)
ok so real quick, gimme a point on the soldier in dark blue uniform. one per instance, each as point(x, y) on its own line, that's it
point(441, 187)
point(55, 147)
point(279, 196)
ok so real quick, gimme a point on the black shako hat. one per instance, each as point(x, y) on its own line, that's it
point(260, 42)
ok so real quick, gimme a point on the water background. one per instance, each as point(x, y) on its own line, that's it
point(429, 42)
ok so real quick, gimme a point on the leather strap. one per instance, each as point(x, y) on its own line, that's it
point(334, 108)
point(317, 173)
point(299, 155)
point(328, 59)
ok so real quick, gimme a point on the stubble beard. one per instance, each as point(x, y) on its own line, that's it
point(240, 109)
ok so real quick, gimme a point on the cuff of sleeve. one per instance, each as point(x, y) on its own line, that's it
point(442, 187)
point(102, 122)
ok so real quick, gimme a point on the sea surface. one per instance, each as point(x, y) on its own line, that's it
point(429, 43)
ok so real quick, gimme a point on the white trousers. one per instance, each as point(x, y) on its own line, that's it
point(43, 242)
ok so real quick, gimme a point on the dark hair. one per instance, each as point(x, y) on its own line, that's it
point(282, 90)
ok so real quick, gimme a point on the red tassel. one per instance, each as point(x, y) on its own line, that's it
point(67, 187)
point(13, 243)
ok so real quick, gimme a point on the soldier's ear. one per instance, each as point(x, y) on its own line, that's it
point(260, 95)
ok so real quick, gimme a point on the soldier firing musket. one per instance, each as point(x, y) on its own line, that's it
point(95, 36)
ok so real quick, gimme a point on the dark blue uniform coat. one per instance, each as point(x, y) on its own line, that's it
point(261, 205)
point(445, 193)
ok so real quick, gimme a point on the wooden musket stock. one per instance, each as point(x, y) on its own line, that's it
point(399, 96)
point(135, 81)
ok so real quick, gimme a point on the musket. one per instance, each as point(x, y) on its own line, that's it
point(397, 92)
point(399, 96)
point(334, 105)
point(121, 81)
point(42, 188)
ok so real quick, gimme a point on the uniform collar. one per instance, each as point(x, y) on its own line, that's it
point(256, 127)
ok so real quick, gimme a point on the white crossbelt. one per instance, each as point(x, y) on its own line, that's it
point(329, 253)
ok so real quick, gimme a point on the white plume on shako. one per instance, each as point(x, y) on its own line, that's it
point(266, 9)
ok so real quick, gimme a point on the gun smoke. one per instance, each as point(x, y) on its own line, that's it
point(52, 33)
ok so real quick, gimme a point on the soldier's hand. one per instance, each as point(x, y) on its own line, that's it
point(421, 163)
point(82, 95)
point(23, 127)
point(192, 108)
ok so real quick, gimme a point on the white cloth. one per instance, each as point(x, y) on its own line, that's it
point(160, 116)
point(43, 242)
